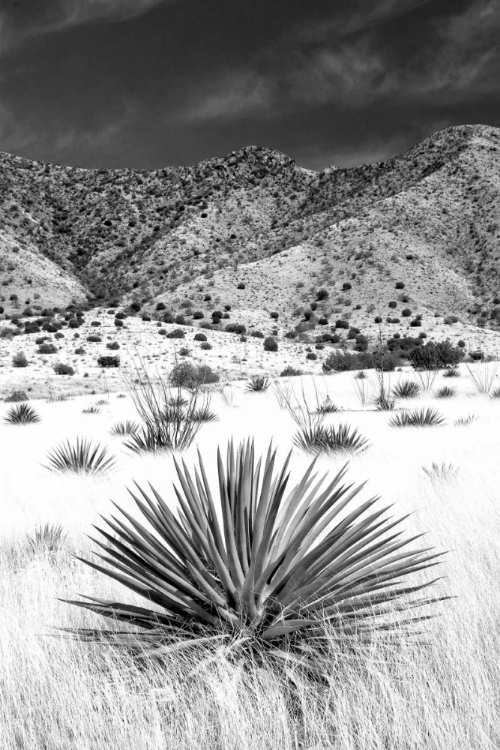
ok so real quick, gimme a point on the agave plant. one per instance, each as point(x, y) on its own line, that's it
point(264, 567)
point(327, 407)
point(465, 421)
point(495, 393)
point(258, 383)
point(91, 410)
point(321, 439)
point(121, 429)
point(22, 414)
point(417, 418)
point(82, 458)
point(406, 389)
point(204, 414)
point(441, 472)
point(451, 372)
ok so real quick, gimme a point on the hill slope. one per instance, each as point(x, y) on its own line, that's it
point(429, 218)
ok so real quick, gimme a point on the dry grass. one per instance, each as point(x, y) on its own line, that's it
point(57, 693)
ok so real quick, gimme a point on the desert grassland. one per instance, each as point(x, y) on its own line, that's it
point(57, 693)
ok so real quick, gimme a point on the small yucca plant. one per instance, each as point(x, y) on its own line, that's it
point(264, 567)
point(22, 414)
point(327, 407)
point(320, 439)
point(451, 372)
point(417, 418)
point(495, 393)
point(91, 410)
point(46, 539)
point(102, 402)
point(441, 472)
point(258, 383)
point(128, 427)
point(82, 458)
point(406, 389)
point(465, 421)
point(445, 392)
point(204, 414)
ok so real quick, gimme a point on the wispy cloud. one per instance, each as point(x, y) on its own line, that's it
point(26, 18)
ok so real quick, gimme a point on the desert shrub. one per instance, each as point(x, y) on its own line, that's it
point(184, 352)
point(200, 337)
point(399, 285)
point(321, 295)
point(16, 396)
point(113, 345)
point(445, 392)
point(320, 439)
point(241, 285)
point(346, 286)
point(451, 372)
point(177, 333)
point(47, 349)
point(22, 414)
point(406, 312)
point(80, 350)
point(135, 307)
point(393, 304)
point(198, 315)
point(345, 361)
point(205, 346)
point(416, 323)
point(93, 339)
point(62, 369)
point(435, 355)
point(311, 356)
point(118, 322)
point(270, 344)
point(19, 360)
point(258, 384)
point(406, 389)
point(257, 334)
point(122, 429)
point(290, 372)
point(204, 414)
point(92, 409)
point(47, 539)
point(417, 418)
point(235, 328)
point(190, 375)
point(327, 407)
point(299, 564)
point(120, 316)
point(342, 324)
point(82, 458)
point(107, 360)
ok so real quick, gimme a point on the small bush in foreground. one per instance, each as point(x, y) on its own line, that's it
point(19, 360)
point(270, 344)
point(22, 414)
point(107, 360)
point(120, 429)
point(82, 458)
point(445, 392)
point(406, 389)
point(281, 566)
point(417, 418)
point(451, 372)
point(321, 439)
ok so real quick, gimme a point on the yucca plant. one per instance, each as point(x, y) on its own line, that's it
point(441, 472)
point(445, 392)
point(46, 539)
point(327, 407)
point(483, 376)
point(465, 421)
point(22, 414)
point(91, 410)
point(417, 418)
point(264, 567)
point(258, 383)
point(495, 393)
point(122, 429)
point(102, 402)
point(82, 458)
point(176, 402)
point(406, 389)
point(321, 439)
point(204, 414)
point(451, 372)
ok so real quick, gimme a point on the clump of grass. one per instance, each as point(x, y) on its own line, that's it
point(445, 392)
point(483, 376)
point(361, 375)
point(406, 389)
point(82, 458)
point(321, 439)
point(91, 410)
point(22, 414)
point(176, 402)
point(451, 372)
point(417, 418)
point(465, 421)
point(102, 402)
point(267, 581)
point(204, 414)
point(46, 539)
point(495, 393)
point(258, 383)
point(327, 407)
point(441, 472)
point(227, 394)
point(128, 427)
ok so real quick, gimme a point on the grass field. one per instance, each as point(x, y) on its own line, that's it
point(58, 693)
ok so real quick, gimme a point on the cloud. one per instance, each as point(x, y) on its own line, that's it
point(26, 18)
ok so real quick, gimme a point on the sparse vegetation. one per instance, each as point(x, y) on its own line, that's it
point(22, 414)
point(81, 458)
point(417, 418)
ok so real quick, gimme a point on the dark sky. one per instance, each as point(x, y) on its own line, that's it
point(151, 83)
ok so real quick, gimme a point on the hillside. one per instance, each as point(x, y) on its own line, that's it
point(428, 219)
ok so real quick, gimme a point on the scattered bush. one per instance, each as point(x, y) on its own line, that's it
point(177, 333)
point(93, 339)
point(19, 360)
point(258, 383)
point(47, 349)
point(417, 418)
point(290, 372)
point(406, 389)
point(270, 344)
point(200, 337)
point(82, 458)
point(445, 392)
point(312, 356)
point(113, 345)
point(107, 360)
point(190, 375)
point(241, 285)
point(62, 369)
point(22, 414)
point(205, 346)
point(122, 429)
point(320, 439)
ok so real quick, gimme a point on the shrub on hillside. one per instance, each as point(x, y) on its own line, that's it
point(19, 360)
point(435, 355)
point(107, 360)
point(113, 345)
point(290, 372)
point(346, 361)
point(177, 333)
point(236, 328)
point(200, 337)
point(205, 346)
point(189, 375)
point(62, 369)
point(270, 344)
point(47, 349)
point(93, 339)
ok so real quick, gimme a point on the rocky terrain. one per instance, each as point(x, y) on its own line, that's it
point(275, 247)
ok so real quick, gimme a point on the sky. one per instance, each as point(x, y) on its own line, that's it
point(146, 84)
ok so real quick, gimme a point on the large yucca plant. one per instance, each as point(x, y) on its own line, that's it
point(82, 458)
point(417, 418)
point(258, 563)
point(406, 389)
point(321, 439)
point(22, 414)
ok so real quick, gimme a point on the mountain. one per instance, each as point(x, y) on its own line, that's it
point(255, 231)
